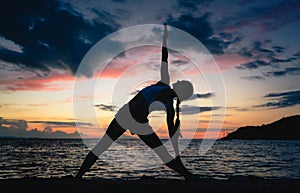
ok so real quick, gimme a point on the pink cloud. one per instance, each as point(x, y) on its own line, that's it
point(227, 61)
point(55, 80)
point(140, 55)
point(130, 58)
point(268, 19)
point(30, 81)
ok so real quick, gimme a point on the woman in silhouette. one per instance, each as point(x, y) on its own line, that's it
point(133, 117)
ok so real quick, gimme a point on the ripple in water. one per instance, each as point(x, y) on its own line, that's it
point(47, 158)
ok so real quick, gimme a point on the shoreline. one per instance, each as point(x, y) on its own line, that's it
point(149, 185)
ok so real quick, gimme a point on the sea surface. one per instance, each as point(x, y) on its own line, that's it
point(131, 159)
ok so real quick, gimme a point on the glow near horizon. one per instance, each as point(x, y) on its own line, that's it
point(49, 98)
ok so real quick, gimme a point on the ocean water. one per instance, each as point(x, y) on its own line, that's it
point(131, 159)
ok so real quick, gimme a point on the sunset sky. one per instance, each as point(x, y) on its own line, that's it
point(255, 45)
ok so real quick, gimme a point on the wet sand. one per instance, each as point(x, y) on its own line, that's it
point(149, 185)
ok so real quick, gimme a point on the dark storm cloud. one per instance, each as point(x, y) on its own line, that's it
point(50, 34)
point(188, 110)
point(267, 17)
point(282, 99)
point(191, 5)
point(120, 1)
point(105, 107)
point(200, 28)
point(19, 128)
point(108, 17)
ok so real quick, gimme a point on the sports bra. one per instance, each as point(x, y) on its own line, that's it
point(150, 93)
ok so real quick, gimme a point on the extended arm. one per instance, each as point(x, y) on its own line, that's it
point(164, 73)
point(174, 131)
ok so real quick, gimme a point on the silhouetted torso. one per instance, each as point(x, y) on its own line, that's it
point(139, 105)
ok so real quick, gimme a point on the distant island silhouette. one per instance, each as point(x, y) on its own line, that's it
point(286, 128)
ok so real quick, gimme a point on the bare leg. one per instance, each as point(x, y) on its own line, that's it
point(156, 145)
point(113, 132)
point(175, 164)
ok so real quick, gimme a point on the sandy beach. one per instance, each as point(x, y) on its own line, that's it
point(150, 185)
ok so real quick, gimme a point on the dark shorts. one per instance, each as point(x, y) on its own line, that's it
point(126, 121)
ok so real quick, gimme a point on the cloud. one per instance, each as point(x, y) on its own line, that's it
point(19, 79)
point(105, 107)
point(12, 127)
point(260, 54)
point(207, 129)
point(191, 5)
point(264, 54)
point(282, 60)
point(19, 128)
point(265, 16)
point(144, 59)
point(253, 78)
point(297, 54)
point(179, 62)
point(48, 133)
point(239, 109)
point(254, 64)
point(50, 33)
point(200, 28)
point(282, 99)
point(199, 96)
point(188, 110)
point(284, 72)
point(120, 1)
point(262, 50)
point(10, 45)
point(132, 57)
point(279, 49)
point(62, 123)
point(229, 60)
point(275, 64)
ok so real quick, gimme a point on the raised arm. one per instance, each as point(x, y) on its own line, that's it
point(164, 73)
